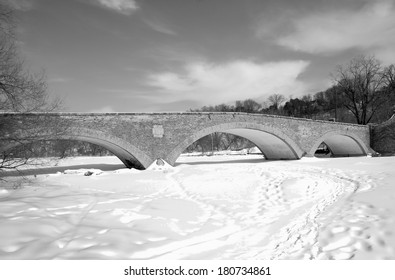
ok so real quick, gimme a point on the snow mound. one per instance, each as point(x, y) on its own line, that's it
point(83, 171)
point(254, 150)
point(3, 192)
point(126, 171)
point(159, 164)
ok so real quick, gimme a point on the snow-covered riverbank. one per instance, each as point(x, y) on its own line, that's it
point(217, 207)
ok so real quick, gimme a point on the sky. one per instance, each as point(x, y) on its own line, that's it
point(175, 55)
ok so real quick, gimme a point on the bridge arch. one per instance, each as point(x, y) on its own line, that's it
point(131, 156)
point(341, 144)
point(273, 143)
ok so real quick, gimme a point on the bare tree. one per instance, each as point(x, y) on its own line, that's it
point(362, 82)
point(276, 100)
point(248, 106)
point(389, 78)
point(20, 91)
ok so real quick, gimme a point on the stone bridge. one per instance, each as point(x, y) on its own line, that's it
point(138, 139)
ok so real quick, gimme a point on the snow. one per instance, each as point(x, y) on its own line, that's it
point(221, 206)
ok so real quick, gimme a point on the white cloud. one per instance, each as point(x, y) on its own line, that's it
point(126, 7)
point(371, 28)
point(159, 27)
point(216, 83)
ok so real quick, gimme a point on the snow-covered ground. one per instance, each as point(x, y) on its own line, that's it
point(216, 207)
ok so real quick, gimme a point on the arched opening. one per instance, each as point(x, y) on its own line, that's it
point(274, 144)
point(334, 144)
point(128, 159)
point(220, 147)
point(52, 156)
point(323, 151)
point(221, 143)
point(271, 146)
point(130, 156)
point(67, 148)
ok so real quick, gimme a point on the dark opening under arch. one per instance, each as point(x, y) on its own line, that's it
point(341, 145)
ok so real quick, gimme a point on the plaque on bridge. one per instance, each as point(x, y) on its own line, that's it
point(158, 131)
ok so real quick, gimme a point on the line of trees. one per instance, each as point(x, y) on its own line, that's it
point(363, 92)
